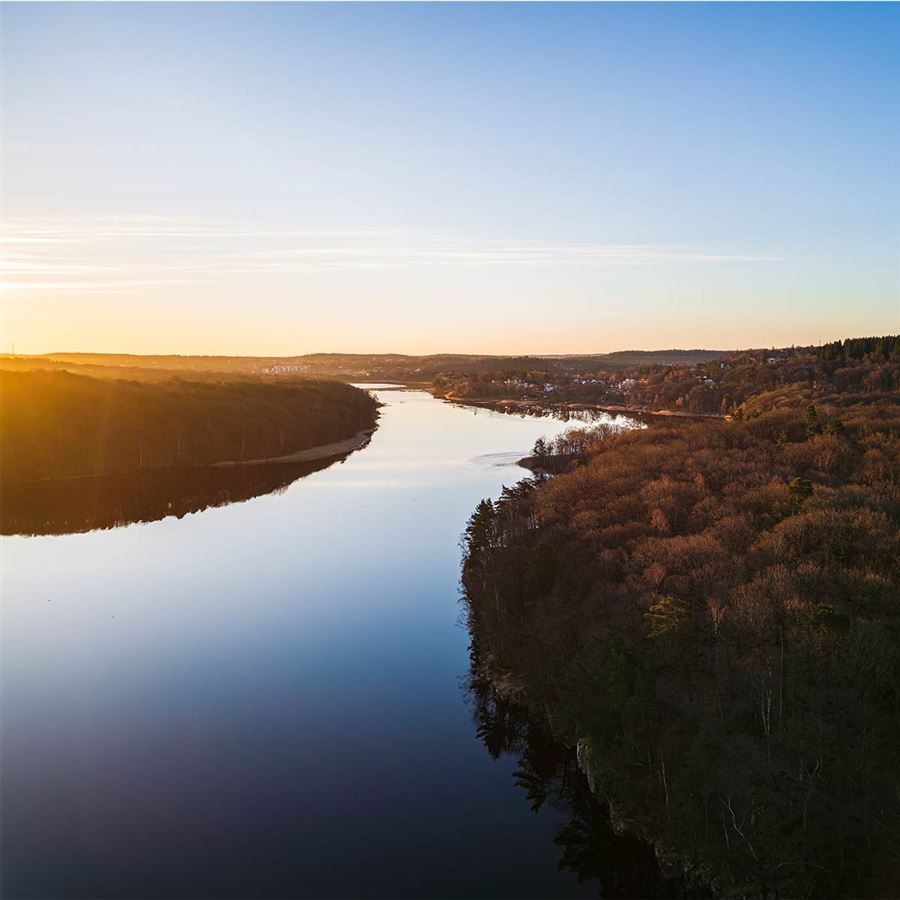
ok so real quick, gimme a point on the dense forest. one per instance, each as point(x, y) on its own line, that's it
point(710, 612)
point(714, 386)
point(58, 425)
point(547, 773)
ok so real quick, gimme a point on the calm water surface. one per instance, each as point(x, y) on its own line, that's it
point(264, 699)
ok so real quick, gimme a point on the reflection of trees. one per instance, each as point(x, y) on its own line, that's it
point(548, 773)
point(85, 504)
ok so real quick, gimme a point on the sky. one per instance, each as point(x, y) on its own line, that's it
point(486, 178)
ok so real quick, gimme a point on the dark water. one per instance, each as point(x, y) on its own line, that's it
point(270, 698)
point(74, 505)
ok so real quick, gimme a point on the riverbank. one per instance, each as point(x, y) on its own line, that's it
point(549, 465)
point(665, 872)
point(313, 454)
point(294, 624)
point(658, 603)
point(510, 404)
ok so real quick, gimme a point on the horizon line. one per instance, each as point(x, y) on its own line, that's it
point(500, 355)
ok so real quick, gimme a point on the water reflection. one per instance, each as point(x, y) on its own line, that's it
point(537, 410)
point(548, 774)
point(76, 505)
point(263, 700)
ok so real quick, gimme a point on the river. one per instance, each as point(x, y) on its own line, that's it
point(267, 698)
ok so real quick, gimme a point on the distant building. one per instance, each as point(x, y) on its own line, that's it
point(281, 370)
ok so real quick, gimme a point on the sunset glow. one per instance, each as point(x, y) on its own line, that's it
point(449, 450)
point(314, 179)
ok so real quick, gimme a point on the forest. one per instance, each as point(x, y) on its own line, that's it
point(547, 773)
point(709, 613)
point(55, 424)
point(713, 386)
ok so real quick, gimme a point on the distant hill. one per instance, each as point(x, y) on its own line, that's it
point(629, 358)
point(342, 366)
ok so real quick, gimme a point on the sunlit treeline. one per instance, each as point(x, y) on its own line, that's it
point(60, 425)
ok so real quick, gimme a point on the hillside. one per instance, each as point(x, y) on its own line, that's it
point(721, 386)
point(708, 610)
point(60, 425)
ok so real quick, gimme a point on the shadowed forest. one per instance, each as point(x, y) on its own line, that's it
point(709, 612)
point(60, 425)
point(548, 775)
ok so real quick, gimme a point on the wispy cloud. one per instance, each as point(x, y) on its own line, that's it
point(124, 254)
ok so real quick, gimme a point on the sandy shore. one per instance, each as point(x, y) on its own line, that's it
point(323, 451)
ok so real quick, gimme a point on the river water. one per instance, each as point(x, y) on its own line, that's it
point(267, 698)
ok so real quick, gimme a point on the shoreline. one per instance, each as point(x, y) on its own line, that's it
point(672, 868)
point(515, 403)
point(311, 454)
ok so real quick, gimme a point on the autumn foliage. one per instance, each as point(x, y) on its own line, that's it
point(711, 612)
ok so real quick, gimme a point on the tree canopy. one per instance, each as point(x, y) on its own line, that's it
point(709, 610)
point(54, 424)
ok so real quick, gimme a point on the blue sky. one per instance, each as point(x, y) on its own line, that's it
point(490, 178)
